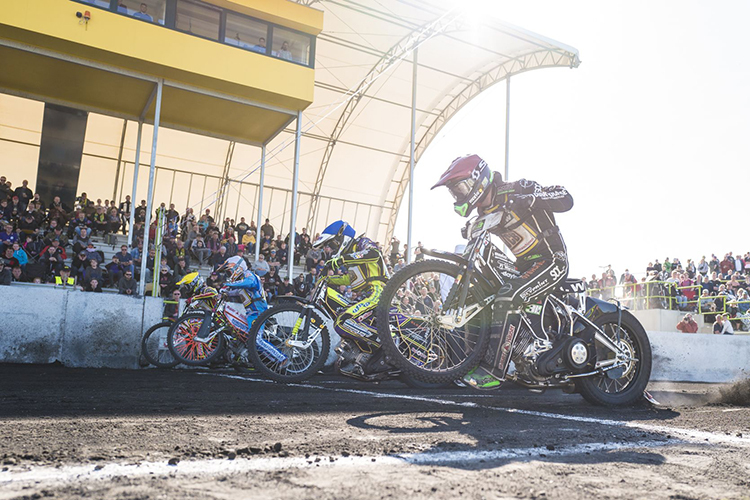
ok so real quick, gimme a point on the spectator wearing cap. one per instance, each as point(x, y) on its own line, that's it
point(273, 259)
point(214, 281)
point(28, 225)
point(52, 260)
point(16, 209)
point(127, 285)
point(93, 254)
point(64, 279)
point(5, 276)
point(79, 264)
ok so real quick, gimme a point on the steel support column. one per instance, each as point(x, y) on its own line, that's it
point(150, 197)
point(411, 157)
point(295, 182)
point(119, 158)
point(260, 200)
point(135, 186)
point(507, 128)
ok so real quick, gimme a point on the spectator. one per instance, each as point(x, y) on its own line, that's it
point(726, 265)
point(395, 245)
point(312, 258)
point(64, 279)
point(93, 253)
point(301, 288)
point(267, 231)
point(285, 288)
point(92, 286)
point(18, 276)
point(200, 251)
point(115, 271)
point(81, 240)
point(219, 257)
point(5, 276)
point(20, 255)
point(172, 308)
point(24, 194)
point(127, 285)
point(143, 14)
point(688, 324)
point(722, 326)
point(214, 281)
point(260, 266)
point(93, 272)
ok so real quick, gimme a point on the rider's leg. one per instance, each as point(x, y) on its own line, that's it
point(538, 279)
point(367, 304)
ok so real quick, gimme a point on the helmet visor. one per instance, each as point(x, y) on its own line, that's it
point(461, 189)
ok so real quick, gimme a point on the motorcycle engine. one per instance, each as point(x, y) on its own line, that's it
point(354, 363)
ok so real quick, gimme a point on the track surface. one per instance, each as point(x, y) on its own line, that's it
point(67, 433)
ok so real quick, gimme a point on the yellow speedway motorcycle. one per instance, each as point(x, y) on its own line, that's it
point(292, 340)
point(436, 322)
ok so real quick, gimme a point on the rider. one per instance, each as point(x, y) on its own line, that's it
point(366, 268)
point(528, 230)
point(246, 285)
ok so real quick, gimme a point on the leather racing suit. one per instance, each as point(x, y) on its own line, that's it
point(530, 233)
point(250, 291)
point(366, 270)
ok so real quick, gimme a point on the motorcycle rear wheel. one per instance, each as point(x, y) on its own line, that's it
point(185, 349)
point(411, 335)
point(628, 387)
point(276, 326)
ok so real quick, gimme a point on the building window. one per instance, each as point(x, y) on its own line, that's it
point(291, 46)
point(246, 33)
point(198, 19)
point(151, 11)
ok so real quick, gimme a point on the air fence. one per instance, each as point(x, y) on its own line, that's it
point(97, 330)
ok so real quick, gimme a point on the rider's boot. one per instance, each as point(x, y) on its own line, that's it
point(481, 378)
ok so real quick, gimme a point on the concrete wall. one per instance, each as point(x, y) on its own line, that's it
point(699, 357)
point(43, 325)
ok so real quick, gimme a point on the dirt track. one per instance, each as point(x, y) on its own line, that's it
point(111, 434)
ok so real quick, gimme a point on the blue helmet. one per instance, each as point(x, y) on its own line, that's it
point(338, 235)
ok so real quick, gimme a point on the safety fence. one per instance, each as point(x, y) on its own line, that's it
point(668, 295)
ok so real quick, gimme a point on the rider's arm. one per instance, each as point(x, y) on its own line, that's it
point(552, 198)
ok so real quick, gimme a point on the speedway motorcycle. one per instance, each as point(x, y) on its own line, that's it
point(437, 319)
point(299, 329)
point(212, 330)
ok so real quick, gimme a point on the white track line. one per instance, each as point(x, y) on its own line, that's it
point(59, 476)
point(689, 434)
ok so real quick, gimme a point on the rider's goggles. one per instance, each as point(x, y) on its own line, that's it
point(461, 189)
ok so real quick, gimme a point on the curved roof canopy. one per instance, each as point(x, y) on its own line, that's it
point(356, 133)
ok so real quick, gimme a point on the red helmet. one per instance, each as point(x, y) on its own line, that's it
point(468, 179)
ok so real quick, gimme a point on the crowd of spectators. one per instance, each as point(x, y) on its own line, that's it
point(718, 289)
point(48, 242)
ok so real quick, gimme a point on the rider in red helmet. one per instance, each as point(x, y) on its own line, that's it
point(528, 230)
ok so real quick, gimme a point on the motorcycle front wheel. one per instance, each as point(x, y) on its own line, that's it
point(623, 386)
point(184, 346)
point(410, 327)
point(276, 346)
point(155, 348)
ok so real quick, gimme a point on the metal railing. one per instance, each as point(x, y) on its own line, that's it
point(669, 295)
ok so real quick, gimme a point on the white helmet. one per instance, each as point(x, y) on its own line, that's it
point(235, 267)
point(338, 235)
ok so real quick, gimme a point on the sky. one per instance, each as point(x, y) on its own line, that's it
point(650, 134)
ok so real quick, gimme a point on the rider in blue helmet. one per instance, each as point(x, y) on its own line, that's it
point(246, 285)
point(366, 268)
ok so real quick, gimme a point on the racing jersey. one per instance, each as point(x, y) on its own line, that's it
point(365, 267)
point(531, 234)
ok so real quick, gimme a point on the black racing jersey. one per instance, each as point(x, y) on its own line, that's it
point(531, 234)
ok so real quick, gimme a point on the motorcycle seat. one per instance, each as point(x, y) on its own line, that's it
point(572, 285)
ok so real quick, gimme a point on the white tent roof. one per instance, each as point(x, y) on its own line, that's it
point(355, 147)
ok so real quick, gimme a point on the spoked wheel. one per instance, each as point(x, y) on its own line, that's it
point(412, 330)
point(187, 348)
point(154, 346)
point(620, 386)
point(279, 348)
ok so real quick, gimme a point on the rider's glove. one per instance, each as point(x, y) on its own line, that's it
point(465, 231)
point(520, 202)
point(332, 264)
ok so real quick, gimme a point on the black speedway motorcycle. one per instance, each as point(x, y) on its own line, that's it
point(437, 319)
